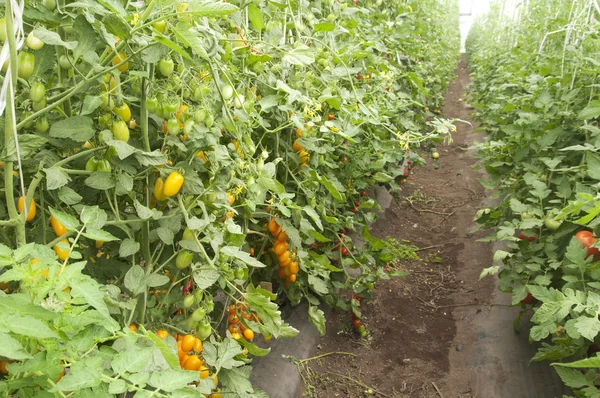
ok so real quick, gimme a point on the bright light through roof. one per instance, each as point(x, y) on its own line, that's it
point(469, 9)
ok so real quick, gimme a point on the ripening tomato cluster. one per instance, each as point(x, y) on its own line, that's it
point(189, 350)
point(288, 266)
point(356, 324)
point(236, 325)
point(299, 149)
point(170, 187)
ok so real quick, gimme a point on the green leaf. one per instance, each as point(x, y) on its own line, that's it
point(98, 234)
point(318, 285)
point(156, 280)
point(118, 386)
point(68, 221)
point(77, 379)
point(69, 196)
point(132, 361)
point(76, 128)
point(29, 326)
point(166, 350)
point(233, 251)
point(56, 178)
point(52, 38)
point(260, 301)
point(154, 158)
point(128, 247)
point(302, 55)
point(208, 8)
point(592, 362)
point(142, 211)
point(333, 191)
point(166, 235)
point(116, 25)
point(205, 278)
point(11, 348)
point(317, 317)
point(135, 280)
point(593, 165)
point(592, 111)
point(190, 38)
point(588, 326)
point(571, 377)
point(255, 17)
point(86, 46)
point(124, 150)
point(237, 380)
point(173, 46)
point(324, 27)
point(90, 290)
point(314, 215)
point(172, 379)
point(223, 357)
point(317, 236)
point(101, 181)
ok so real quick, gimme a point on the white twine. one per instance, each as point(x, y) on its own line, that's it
point(7, 86)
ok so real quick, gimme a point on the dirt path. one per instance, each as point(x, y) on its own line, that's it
point(436, 332)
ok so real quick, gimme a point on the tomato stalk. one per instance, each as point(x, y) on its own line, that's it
point(63, 73)
point(8, 137)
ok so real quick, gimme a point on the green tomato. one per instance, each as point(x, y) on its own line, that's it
point(188, 126)
point(171, 107)
point(210, 120)
point(241, 273)
point(38, 106)
point(37, 92)
point(49, 4)
point(161, 25)
point(189, 301)
point(173, 126)
point(191, 323)
point(104, 166)
point(198, 293)
point(199, 314)
point(42, 125)
point(151, 104)
point(203, 330)
point(123, 112)
point(64, 62)
point(33, 42)
point(227, 92)
point(239, 101)
point(200, 115)
point(184, 259)
point(105, 119)
point(552, 224)
point(528, 215)
point(201, 91)
point(188, 234)
point(166, 67)
point(26, 64)
point(92, 164)
point(120, 131)
point(209, 304)
point(25, 115)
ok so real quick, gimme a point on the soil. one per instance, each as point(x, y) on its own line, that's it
point(422, 325)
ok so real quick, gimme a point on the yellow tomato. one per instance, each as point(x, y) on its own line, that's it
point(32, 208)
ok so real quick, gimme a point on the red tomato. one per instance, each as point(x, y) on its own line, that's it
point(587, 239)
point(529, 299)
point(522, 236)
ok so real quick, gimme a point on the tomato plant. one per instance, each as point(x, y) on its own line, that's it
point(156, 235)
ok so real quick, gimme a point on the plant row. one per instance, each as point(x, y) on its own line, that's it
point(535, 91)
point(181, 169)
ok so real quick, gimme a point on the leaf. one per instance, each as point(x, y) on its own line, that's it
point(124, 150)
point(324, 27)
point(166, 235)
point(90, 290)
point(205, 278)
point(86, 45)
point(333, 191)
point(190, 38)
point(67, 220)
point(29, 326)
point(135, 280)
point(571, 377)
point(11, 348)
point(142, 211)
point(318, 285)
point(255, 17)
point(168, 352)
point(592, 111)
point(208, 8)
point(69, 196)
point(98, 234)
point(56, 178)
point(77, 379)
point(302, 55)
point(173, 46)
point(237, 380)
point(154, 158)
point(223, 357)
point(117, 387)
point(593, 165)
point(128, 247)
point(592, 362)
point(233, 251)
point(52, 38)
point(115, 24)
point(101, 181)
point(588, 326)
point(132, 361)
point(317, 317)
point(76, 128)
point(172, 379)
point(260, 301)
point(314, 215)
point(156, 280)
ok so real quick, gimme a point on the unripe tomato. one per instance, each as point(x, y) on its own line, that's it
point(188, 234)
point(117, 59)
point(50, 4)
point(201, 91)
point(239, 101)
point(42, 125)
point(227, 92)
point(189, 300)
point(32, 208)
point(435, 155)
point(37, 92)
point(120, 131)
point(173, 126)
point(33, 42)
point(199, 314)
point(166, 67)
point(200, 115)
point(173, 184)
point(65, 62)
point(184, 259)
point(26, 63)
point(38, 106)
point(58, 228)
point(210, 120)
point(60, 252)
point(203, 330)
point(24, 116)
point(104, 166)
point(151, 104)
point(160, 25)
point(92, 164)
point(188, 127)
point(123, 112)
point(171, 107)
point(241, 273)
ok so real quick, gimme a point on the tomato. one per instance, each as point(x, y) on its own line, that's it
point(171, 107)
point(356, 323)
point(284, 257)
point(210, 120)
point(61, 252)
point(193, 362)
point(26, 64)
point(158, 190)
point(198, 346)
point(249, 334)
point(123, 112)
point(330, 117)
point(33, 42)
point(204, 372)
point(104, 166)
point(117, 59)
point(151, 104)
point(297, 147)
point(49, 4)
point(3, 29)
point(92, 164)
point(37, 91)
point(189, 300)
point(184, 259)
point(38, 106)
point(188, 127)
point(435, 155)
point(133, 328)
point(173, 126)
point(203, 331)
point(239, 101)
point(282, 237)
point(274, 228)
point(241, 273)
point(162, 334)
point(227, 92)
point(294, 268)
point(529, 299)
point(120, 131)
point(173, 184)
point(522, 236)
point(161, 25)
point(65, 62)
point(201, 91)
point(200, 115)
point(199, 314)
point(32, 208)
point(552, 224)
point(58, 228)
point(586, 238)
point(188, 342)
point(188, 234)
point(280, 248)
point(166, 67)
point(42, 125)
point(304, 156)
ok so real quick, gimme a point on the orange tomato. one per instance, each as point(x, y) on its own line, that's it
point(133, 328)
point(282, 237)
point(252, 251)
point(163, 334)
point(193, 363)
point(285, 263)
point(202, 155)
point(283, 257)
point(3, 369)
point(297, 147)
point(32, 208)
point(188, 343)
point(274, 228)
point(298, 132)
point(249, 334)
point(231, 199)
point(58, 228)
point(291, 278)
point(180, 111)
point(280, 248)
point(281, 273)
point(60, 252)
point(198, 346)
point(294, 267)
